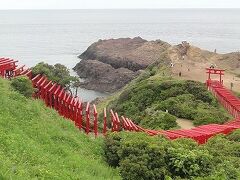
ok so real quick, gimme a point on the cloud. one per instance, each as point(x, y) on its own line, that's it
point(105, 4)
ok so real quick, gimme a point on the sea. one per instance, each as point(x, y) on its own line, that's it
point(59, 36)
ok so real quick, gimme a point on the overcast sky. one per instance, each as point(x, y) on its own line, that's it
point(108, 4)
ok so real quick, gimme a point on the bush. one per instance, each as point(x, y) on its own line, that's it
point(140, 156)
point(234, 136)
point(144, 161)
point(226, 157)
point(200, 92)
point(188, 163)
point(111, 148)
point(182, 106)
point(158, 120)
point(23, 85)
point(220, 146)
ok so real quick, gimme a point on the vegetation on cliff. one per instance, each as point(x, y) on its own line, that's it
point(140, 156)
point(36, 143)
point(147, 99)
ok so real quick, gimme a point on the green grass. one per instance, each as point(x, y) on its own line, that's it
point(36, 143)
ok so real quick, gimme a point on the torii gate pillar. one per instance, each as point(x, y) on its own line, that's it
point(219, 72)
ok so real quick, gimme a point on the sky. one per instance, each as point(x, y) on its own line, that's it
point(118, 4)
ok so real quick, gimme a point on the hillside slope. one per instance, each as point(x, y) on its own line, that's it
point(147, 98)
point(35, 142)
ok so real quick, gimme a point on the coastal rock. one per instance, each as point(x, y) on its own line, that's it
point(133, 54)
point(108, 65)
point(103, 77)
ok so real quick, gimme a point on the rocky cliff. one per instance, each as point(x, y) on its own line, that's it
point(102, 76)
point(108, 65)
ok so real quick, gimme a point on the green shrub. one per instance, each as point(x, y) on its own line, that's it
point(234, 136)
point(143, 161)
point(199, 91)
point(211, 115)
point(23, 85)
point(220, 146)
point(158, 120)
point(185, 143)
point(140, 156)
point(182, 106)
point(189, 163)
point(111, 148)
point(226, 157)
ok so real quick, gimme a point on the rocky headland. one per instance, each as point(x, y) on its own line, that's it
point(108, 65)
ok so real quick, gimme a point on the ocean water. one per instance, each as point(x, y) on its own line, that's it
point(58, 36)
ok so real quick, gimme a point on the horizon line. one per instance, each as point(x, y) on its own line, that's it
point(166, 8)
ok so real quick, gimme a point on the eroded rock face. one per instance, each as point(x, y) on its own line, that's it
point(109, 64)
point(103, 77)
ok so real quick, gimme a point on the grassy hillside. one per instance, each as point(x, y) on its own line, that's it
point(36, 143)
point(146, 99)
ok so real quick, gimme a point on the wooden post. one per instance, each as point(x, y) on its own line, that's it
point(95, 120)
point(75, 112)
point(46, 93)
point(124, 124)
point(88, 118)
point(104, 122)
point(63, 105)
point(113, 121)
point(51, 94)
point(130, 124)
point(56, 98)
point(118, 125)
point(67, 108)
point(79, 115)
point(71, 107)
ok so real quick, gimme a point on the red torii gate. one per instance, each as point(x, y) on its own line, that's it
point(70, 107)
point(7, 66)
point(8, 69)
point(219, 72)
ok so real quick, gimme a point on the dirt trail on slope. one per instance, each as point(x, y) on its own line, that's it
point(196, 71)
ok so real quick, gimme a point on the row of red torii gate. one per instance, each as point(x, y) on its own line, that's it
point(86, 117)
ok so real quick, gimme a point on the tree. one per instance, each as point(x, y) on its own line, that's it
point(58, 73)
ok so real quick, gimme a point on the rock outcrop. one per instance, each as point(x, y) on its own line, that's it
point(108, 65)
point(103, 77)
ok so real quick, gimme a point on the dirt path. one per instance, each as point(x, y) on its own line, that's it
point(185, 123)
point(196, 71)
